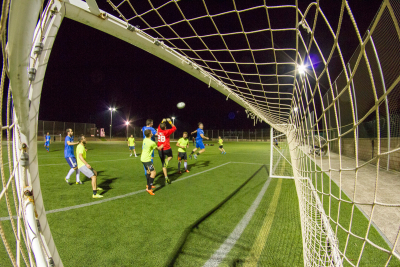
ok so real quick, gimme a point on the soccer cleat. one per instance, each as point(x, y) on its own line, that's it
point(187, 171)
point(99, 189)
point(190, 156)
point(147, 187)
point(130, 155)
point(167, 180)
point(135, 156)
point(67, 181)
point(97, 196)
point(150, 192)
point(195, 156)
point(79, 182)
point(179, 172)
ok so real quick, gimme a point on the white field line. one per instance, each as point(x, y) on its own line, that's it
point(113, 198)
point(228, 244)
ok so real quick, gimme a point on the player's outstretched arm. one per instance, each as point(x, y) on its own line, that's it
point(160, 147)
point(193, 132)
point(72, 143)
point(202, 136)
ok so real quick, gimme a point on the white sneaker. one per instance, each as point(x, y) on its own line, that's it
point(136, 156)
point(130, 155)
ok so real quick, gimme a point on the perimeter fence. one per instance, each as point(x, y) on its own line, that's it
point(57, 129)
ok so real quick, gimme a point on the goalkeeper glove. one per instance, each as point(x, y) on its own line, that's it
point(163, 120)
point(169, 120)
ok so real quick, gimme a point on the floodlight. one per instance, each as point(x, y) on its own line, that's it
point(173, 118)
point(301, 68)
point(109, 108)
point(113, 109)
point(295, 109)
point(127, 123)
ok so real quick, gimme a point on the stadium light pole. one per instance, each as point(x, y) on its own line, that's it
point(111, 111)
point(173, 122)
point(127, 125)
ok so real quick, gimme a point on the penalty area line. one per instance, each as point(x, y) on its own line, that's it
point(113, 198)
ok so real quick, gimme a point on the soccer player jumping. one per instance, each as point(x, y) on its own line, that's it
point(199, 141)
point(183, 143)
point(148, 149)
point(163, 139)
point(70, 157)
point(47, 143)
point(131, 144)
point(85, 168)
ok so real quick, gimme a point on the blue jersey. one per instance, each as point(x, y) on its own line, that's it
point(48, 137)
point(152, 130)
point(69, 150)
point(199, 132)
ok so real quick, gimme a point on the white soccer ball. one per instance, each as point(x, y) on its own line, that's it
point(180, 105)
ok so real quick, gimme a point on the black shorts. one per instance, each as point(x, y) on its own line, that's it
point(182, 155)
point(221, 146)
point(149, 166)
point(163, 154)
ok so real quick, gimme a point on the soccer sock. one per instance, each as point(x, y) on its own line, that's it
point(192, 153)
point(198, 154)
point(151, 182)
point(148, 181)
point(94, 192)
point(185, 163)
point(77, 175)
point(179, 166)
point(70, 173)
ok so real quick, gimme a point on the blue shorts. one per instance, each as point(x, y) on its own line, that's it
point(71, 162)
point(199, 144)
point(47, 144)
point(131, 148)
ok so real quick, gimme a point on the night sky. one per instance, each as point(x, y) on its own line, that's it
point(89, 71)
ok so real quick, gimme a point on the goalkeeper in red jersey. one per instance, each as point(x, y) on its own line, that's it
point(163, 139)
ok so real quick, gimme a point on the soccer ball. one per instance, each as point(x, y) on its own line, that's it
point(180, 105)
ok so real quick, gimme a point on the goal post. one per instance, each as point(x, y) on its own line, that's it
point(280, 162)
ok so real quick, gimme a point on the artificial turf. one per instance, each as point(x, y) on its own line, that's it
point(143, 230)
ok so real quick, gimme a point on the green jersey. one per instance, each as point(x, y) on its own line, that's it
point(131, 141)
point(183, 142)
point(80, 149)
point(220, 141)
point(147, 150)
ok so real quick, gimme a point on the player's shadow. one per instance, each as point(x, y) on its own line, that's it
point(54, 150)
point(106, 185)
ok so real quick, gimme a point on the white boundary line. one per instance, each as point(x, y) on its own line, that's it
point(114, 198)
point(230, 242)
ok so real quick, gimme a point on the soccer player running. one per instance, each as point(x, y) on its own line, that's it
point(146, 158)
point(70, 157)
point(183, 143)
point(149, 126)
point(131, 145)
point(199, 141)
point(47, 142)
point(85, 168)
point(163, 139)
point(221, 145)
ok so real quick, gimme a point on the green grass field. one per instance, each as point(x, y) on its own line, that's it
point(186, 222)
point(143, 230)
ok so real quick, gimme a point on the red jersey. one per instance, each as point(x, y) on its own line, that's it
point(163, 137)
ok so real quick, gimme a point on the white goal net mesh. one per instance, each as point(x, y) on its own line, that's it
point(337, 115)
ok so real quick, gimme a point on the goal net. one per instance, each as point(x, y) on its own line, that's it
point(333, 106)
